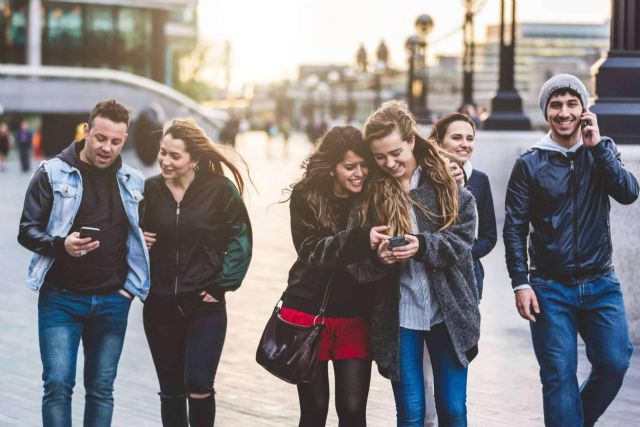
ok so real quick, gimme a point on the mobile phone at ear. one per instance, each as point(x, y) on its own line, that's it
point(89, 232)
point(585, 122)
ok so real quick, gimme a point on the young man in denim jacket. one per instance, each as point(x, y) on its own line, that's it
point(561, 188)
point(86, 284)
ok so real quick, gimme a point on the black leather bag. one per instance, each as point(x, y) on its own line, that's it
point(290, 351)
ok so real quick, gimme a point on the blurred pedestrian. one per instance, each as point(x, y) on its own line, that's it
point(199, 235)
point(24, 141)
point(557, 197)
point(5, 145)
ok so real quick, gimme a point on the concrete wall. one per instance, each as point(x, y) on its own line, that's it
point(495, 153)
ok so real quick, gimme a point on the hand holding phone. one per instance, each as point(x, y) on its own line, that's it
point(89, 232)
point(589, 128)
point(397, 241)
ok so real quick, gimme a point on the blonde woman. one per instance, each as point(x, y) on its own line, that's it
point(428, 293)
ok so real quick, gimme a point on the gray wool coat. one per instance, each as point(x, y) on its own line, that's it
point(449, 266)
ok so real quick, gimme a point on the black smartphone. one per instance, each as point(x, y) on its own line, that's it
point(89, 232)
point(585, 122)
point(396, 242)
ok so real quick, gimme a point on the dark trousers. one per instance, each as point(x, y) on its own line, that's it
point(185, 336)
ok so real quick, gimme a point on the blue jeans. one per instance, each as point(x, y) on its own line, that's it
point(595, 310)
point(64, 318)
point(449, 379)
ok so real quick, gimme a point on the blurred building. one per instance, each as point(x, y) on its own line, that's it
point(57, 58)
point(542, 49)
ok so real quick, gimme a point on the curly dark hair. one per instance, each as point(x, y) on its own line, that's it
point(316, 184)
point(112, 110)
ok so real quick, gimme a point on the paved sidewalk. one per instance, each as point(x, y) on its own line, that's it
point(503, 390)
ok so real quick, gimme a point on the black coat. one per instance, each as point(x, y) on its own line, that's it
point(566, 201)
point(322, 256)
point(479, 186)
point(202, 244)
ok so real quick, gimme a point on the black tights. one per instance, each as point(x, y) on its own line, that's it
point(351, 388)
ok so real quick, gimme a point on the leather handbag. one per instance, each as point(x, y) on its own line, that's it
point(290, 351)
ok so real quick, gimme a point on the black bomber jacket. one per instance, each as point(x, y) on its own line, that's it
point(203, 243)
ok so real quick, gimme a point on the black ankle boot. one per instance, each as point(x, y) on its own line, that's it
point(202, 412)
point(173, 411)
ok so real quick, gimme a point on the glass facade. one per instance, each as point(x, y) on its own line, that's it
point(87, 35)
point(13, 31)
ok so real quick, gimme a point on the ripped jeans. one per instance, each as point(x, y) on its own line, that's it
point(185, 336)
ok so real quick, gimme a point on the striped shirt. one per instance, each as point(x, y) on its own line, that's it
point(419, 308)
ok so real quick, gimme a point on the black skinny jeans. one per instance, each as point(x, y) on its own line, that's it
point(185, 336)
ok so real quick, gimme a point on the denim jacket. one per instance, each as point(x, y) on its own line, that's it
point(66, 182)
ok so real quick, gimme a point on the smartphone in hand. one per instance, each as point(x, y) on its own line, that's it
point(398, 241)
point(89, 232)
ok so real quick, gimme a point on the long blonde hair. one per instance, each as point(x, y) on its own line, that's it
point(388, 202)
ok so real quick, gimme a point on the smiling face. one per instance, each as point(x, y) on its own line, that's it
point(349, 174)
point(174, 160)
point(459, 139)
point(394, 155)
point(103, 142)
point(563, 115)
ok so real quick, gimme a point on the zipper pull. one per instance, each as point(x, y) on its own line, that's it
point(178, 207)
point(571, 163)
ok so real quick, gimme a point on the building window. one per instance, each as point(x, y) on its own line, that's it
point(13, 31)
point(100, 37)
point(63, 35)
point(134, 41)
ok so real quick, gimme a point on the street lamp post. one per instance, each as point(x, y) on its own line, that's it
point(333, 77)
point(349, 77)
point(411, 45)
point(423, 25)
point(617, 101)
point(506, 106)
point(378, 72)
point(468, 56)
point(310, 83)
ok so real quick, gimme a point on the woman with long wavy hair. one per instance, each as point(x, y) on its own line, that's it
point(428, 293)
point(320, 203)
point(200, 241)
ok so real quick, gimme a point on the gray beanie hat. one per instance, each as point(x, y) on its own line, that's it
point(561, 81)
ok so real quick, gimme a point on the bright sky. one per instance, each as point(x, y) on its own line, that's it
point(270, 38)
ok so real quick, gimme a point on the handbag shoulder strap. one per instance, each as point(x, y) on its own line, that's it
point(325, 298)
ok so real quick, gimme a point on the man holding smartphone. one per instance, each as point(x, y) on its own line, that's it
point(87, 283)
point(561, 188)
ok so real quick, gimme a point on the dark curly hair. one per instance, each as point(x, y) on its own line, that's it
point(316, 184)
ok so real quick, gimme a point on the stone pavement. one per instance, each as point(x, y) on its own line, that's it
point(503, 387)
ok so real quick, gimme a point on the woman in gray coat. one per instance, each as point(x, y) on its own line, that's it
point(428, 292)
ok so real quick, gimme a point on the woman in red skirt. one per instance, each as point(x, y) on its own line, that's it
point(320, 205)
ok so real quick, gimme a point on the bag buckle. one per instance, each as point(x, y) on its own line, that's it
point(316, 318)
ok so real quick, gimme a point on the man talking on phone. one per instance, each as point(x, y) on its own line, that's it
point(561, 189)
point(86, 284)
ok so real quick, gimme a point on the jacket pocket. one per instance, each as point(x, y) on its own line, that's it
point(64, 201)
